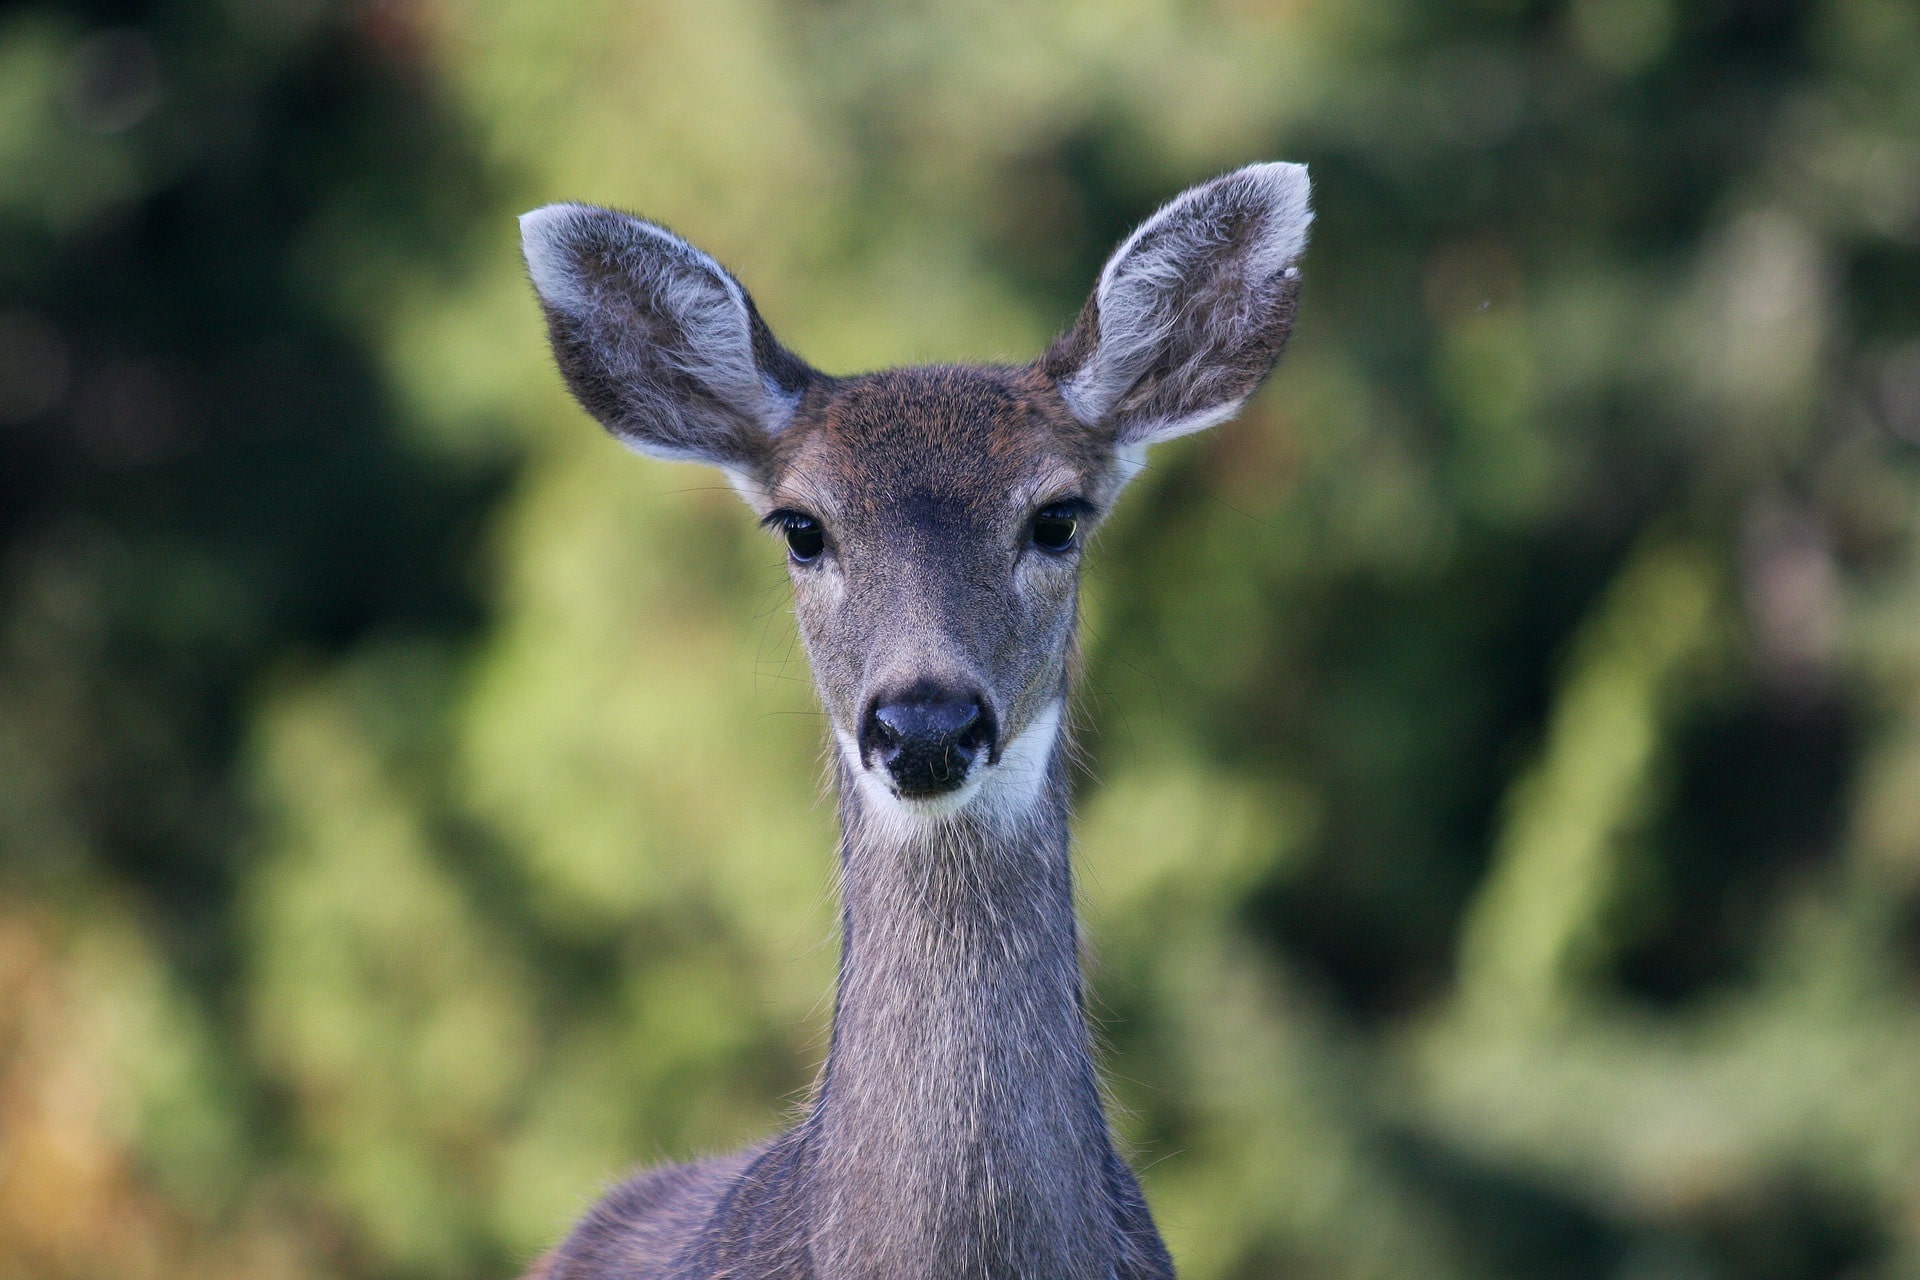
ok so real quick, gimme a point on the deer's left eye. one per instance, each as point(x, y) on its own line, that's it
point(1056, 527)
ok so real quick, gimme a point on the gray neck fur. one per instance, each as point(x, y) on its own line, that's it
point(958, 1129)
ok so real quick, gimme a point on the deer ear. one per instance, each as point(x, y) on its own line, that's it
point(1191, 311)
point(658, 341)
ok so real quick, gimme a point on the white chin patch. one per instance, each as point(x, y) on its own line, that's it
point(1001, 792)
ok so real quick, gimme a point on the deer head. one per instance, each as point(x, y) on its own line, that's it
point(934, 518)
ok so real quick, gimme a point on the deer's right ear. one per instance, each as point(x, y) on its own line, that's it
point(657, 341)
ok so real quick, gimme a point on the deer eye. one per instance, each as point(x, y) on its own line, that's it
point(805, 538)
point(1056, 526)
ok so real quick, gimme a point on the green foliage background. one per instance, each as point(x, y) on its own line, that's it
point(1501, 841)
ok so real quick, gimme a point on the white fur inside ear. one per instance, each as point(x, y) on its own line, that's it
point(1173, 256)
point(683, 281)
point(543, 241)
point(1289, 195)
point(1173, 428)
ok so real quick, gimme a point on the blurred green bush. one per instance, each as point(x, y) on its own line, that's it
point(1501, 841)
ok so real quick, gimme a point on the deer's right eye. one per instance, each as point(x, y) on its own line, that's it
point(805, 538)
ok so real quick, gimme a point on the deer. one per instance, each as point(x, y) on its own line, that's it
point(934, 519)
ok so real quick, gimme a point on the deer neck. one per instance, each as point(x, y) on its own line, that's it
point(958, 1128)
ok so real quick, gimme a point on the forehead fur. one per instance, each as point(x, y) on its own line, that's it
point(961, 435)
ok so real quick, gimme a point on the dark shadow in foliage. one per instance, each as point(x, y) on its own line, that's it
point(225, 481)
point(1759, 801)
point(1517, 1227)
point(1792, 1228)
point(1473, 658)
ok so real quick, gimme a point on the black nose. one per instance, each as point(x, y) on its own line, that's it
point(927, 738)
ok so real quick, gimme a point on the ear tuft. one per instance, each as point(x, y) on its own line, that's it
point(1192, 310)
point(544, 235)
point(657, 340)
point(1289, 194)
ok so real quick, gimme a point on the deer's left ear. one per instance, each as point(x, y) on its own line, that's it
point(1191, 311)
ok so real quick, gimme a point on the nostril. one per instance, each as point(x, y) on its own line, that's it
point(977, 733)
point(885, 726)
